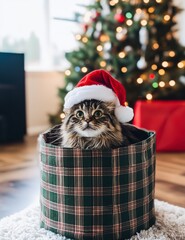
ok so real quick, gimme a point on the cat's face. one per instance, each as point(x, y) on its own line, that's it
point(90, 118)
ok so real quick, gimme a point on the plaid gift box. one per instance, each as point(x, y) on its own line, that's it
point(98, 194)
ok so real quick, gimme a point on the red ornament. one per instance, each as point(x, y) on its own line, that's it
point(95, 16)
point(119, 17)
point(85, 27)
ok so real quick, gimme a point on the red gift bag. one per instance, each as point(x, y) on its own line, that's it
point(166, 118)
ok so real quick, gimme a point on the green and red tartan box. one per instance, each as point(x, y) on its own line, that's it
point(97, 194)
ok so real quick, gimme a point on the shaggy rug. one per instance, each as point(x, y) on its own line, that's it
point(24, 225)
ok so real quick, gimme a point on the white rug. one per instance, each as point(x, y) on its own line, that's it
point(24, 225)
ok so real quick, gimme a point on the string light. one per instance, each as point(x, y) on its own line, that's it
point(129, 22)
point(165, 64)
point(172, 83)
point(180, 65)
point(139, 80)
point(167, 17)
point(151, 75)
point(119, 29)
point(68, 72)
point(146, 1)
point(128, 15)
point(155, 85)
point(154, 67)
point(172, 54)
point(161, 72)
point(103, 63)
point(62, 115)
point(143, 22)
point(78, 37)
point(161, 84)
point(84, 69)
point(124, 69)
point(121, 54)
point(113, 2)
point(84, 39)
point(104, 38)
point(151, 9)
point(138, 11)
point(158, 1)
point(126, 104)
point(99, 48)
point(149, 96)
point(155, 46)
point(77, 69)
point(144, 76)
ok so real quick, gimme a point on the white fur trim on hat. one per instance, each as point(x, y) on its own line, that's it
point(98, 92)
point(79, 94)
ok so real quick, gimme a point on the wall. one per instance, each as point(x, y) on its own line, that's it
point(181, 21)
point(41, 99)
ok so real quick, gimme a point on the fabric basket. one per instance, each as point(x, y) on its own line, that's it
point(98, 194)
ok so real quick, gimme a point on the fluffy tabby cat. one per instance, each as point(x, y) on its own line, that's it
point(91, 124)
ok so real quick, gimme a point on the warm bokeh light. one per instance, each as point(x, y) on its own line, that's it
point(161, 72)
point(180, 65)
point(129, 22)
point(167, 17)
point(172, 83)
point(143, 22)
point(124, 69)
point(78, 37)
point(119, 29)
point(139, 80)
point(151, 9)
point(84, 39)
point(165, 64)
point(121, 54)
point(172, 54)
point(154, 67)
point(161, 84)
point(99, 48)
point(84, 69)
point(155, 45)
point(149, 96)
point(103, 63)
point(68, 72)
point(62, 115)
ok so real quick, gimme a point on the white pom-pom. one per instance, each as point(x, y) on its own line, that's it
point(124, 114)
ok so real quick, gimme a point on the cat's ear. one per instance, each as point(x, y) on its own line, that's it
point(110, 106)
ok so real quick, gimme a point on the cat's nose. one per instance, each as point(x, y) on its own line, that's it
point(88, 120)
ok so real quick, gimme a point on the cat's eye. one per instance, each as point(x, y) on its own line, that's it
point(79, 114)
point(98, 114)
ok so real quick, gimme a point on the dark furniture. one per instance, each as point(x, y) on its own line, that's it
point(12, 97)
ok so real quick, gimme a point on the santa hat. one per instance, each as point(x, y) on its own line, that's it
point(100, 85)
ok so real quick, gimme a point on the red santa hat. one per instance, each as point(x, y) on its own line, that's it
point(100, 85)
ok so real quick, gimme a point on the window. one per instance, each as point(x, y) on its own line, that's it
point(31, 27)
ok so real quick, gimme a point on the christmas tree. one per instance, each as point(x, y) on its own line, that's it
point(135, 41)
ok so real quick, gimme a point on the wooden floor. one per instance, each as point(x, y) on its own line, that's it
point(19, 176)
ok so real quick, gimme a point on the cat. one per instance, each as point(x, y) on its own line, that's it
point(91, 124)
